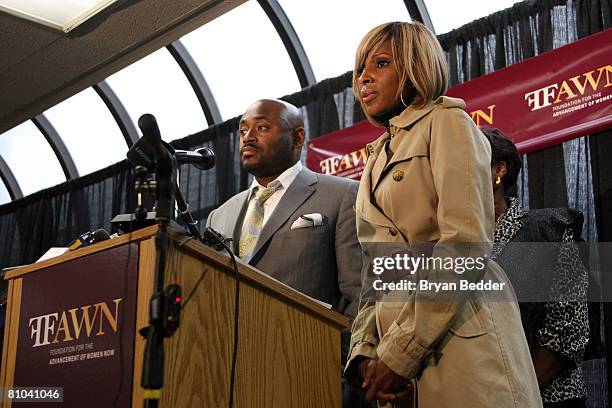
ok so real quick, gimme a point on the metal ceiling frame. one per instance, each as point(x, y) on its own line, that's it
point(120, 114)
point(197, 81)
point(418, 12)
point(58, 146)
point(290, 39)
point(10, 182)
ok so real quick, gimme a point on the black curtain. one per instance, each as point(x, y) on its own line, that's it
point(56, 216)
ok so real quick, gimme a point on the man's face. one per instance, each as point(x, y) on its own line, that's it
point(266, 143)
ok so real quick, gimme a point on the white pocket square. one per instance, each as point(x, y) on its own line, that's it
point(308, 220)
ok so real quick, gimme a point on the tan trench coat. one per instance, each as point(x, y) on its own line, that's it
point(437, 187)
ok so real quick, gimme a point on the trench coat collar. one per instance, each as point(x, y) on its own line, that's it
point(411, 115)
point(408, 117)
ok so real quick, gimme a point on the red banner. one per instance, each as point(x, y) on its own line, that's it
point(342, 153)
point(556, 96)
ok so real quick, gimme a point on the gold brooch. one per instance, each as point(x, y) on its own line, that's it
point(398, 175)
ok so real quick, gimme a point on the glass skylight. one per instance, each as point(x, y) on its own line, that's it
point(63, 15)
point(30, 158)
point(242, 66)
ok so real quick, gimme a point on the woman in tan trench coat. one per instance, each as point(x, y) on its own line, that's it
point(427, 180)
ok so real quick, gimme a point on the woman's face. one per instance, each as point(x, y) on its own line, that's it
point(379, 81)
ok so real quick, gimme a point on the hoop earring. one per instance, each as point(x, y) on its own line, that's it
point(498, 181)
point(402, 99)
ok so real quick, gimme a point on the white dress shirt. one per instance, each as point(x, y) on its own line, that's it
point(286, 178)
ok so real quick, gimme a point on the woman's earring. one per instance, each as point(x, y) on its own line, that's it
point(402, 99)
point(498, 181)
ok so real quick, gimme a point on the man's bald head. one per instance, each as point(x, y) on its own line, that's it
point(288, 113)
point(272, 136)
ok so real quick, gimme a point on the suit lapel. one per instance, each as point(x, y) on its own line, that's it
point(240, 209)
point(302, 187)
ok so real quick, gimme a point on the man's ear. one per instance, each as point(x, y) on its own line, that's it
point(298, 137)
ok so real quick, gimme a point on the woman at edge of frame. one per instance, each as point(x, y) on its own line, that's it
point(557, 331)
point(427, 179)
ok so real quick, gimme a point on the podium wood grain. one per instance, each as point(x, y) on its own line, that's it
point(284, 350)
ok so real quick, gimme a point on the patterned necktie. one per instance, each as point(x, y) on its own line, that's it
point(255, 220)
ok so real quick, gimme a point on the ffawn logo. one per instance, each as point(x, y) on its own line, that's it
point(343, 162)
point(570, 88)
point(73, 324)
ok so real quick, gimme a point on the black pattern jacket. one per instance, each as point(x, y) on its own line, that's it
point(541, 272)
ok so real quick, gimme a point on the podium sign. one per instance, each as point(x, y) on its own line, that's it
point(79, 334)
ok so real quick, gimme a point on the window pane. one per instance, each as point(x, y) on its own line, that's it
point(156, 84)
point(331, 30)
point(89, 131)
point(448, 15)
point(30, 158)
point(242, 58)
point(5, 197)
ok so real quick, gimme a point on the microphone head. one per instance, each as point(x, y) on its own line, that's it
point(208, 158)
point(100, 235)
point(149, 128)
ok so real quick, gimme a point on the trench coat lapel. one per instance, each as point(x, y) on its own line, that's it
point(376, 150)
point(404, 147)
point(364, 206)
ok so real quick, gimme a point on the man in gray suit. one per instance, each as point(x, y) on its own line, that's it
point(293, 224)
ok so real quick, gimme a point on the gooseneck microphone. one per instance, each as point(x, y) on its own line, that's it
point(203, 158)
point(149, 128)
point(151, 151)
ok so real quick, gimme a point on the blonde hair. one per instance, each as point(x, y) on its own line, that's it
point(417, 54)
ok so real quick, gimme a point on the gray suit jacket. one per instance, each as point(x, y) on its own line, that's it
point(323, 261)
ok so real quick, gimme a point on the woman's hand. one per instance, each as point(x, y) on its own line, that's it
point(383, 383)
point(366, 371)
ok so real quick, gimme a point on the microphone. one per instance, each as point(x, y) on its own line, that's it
point(151, 151)
point(149, 128)
point(148, 151)
point(100, 235)
point(89, 238)
point(203, 158)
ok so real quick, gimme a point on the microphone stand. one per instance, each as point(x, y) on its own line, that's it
point(164, 311)
point(153, 364)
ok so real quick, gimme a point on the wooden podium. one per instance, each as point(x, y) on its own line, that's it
point(73, 322)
